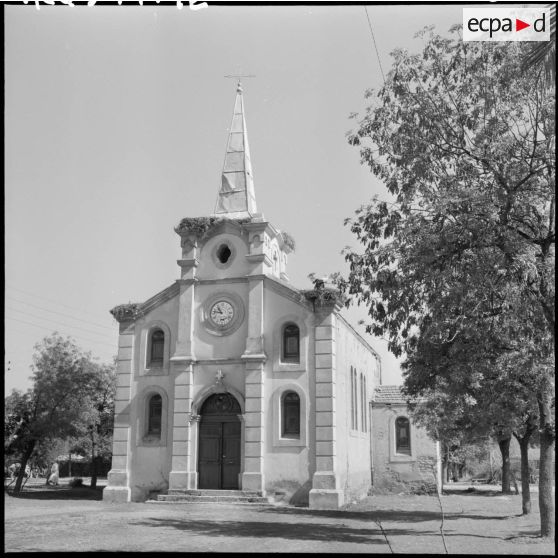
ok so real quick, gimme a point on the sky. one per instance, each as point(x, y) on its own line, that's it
point(116, 124)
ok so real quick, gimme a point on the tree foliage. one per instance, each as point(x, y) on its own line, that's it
point(59, 404)
point(457, 269)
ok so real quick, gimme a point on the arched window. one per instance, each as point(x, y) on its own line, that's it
point(157, 348)
point(290, 411)
point(402, 435)
point(291, 343)
point(155, 413)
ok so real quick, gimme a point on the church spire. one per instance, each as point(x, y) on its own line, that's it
point(236, 196)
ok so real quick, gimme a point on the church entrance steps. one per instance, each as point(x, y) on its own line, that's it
point(213, 496)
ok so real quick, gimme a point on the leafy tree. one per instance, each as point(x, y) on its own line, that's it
point(458, 270)
point(95, 440)
point(542, 55)
point(55, 407)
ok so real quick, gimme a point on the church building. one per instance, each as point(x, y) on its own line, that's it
point(232, 379)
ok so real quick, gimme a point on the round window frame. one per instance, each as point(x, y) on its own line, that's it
point(218, 245)
point(205, 315)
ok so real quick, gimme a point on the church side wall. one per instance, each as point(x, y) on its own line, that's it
point(150, 457)
point(397, 472)
point(353, 444)
point(289, 463)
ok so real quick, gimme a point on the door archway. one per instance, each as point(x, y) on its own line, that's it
point(219, 443)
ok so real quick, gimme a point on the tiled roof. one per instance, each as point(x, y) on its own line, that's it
point(389, 394)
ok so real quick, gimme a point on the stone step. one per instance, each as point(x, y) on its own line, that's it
point(212, 499)
point(201, 492)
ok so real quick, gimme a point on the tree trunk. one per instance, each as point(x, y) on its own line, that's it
point(445, 466)
point(547, 438)
point(21, 472)
point(505, 451)
point(93, 462)
point(525, 473)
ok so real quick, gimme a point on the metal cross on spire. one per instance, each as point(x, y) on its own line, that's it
point(239, 77)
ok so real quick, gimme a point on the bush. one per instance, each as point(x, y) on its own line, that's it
point(76, 483)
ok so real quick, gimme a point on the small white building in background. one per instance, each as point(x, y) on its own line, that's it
point(233, 379)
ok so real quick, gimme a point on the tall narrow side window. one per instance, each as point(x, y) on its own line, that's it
point(355, 389)
point(155, 413)
point(291, 415)
point(291, 343)
point(402, 435)
point(362, 405)
point(157, 348)
point(352, 400)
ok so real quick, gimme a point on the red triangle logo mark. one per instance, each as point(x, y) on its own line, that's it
point(519, 25)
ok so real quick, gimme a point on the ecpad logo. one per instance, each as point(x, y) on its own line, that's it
point(506, 24)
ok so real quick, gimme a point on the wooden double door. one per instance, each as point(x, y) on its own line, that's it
point(219, 443)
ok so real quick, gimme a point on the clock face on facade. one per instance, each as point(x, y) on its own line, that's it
point(222, 313)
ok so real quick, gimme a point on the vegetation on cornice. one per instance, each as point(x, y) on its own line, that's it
point(200, 226)
point(321, 295)
point(124, 312)
point(289, 241)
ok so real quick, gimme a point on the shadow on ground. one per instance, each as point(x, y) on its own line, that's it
point(57, 493)
point(262, 529)
point(405, 516)
point(340, 533)
point(472, 491)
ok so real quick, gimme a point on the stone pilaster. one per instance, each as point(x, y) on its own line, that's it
point(254, 439)
point(183, 467)
point(254, 431)
point(325, 493)
point(118, 488)
point(184, 348)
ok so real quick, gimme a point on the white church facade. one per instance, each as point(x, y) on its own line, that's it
point(233, 379)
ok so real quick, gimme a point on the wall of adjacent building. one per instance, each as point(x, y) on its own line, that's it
point(399, 472)
point(353, 445)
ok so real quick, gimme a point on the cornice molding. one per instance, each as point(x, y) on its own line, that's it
point(190, 262)
point(259, 258)
point(358, 335)
point(161, 297)
point(287, 291)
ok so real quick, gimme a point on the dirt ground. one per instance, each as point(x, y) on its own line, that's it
point(64, 519)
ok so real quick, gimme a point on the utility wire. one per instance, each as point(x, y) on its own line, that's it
point(44, 327)
point(54, 301)
point(57, 322)
point(374, 41)
point(59, 313)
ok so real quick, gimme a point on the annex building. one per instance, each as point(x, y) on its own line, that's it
point(233, 379)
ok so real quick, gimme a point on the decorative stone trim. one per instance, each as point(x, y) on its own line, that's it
point(278, 364)
point(278, 440)
point(187, 263)
point(166, 294)
point(146, 368)
point(200, 227)
point(143, 439)
point(259, 258)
